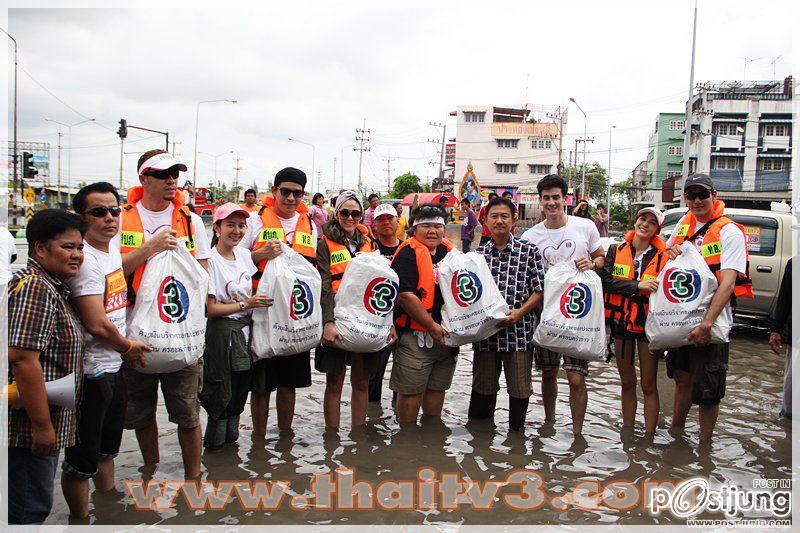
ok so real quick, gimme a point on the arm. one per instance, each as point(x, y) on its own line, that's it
point(330, 333)
point(701, 334)
point(269, 251)
point(412, 305)
point(515, 315)
point(612, 284)
point(94, 319)
point(216, 310)
point(30, 383)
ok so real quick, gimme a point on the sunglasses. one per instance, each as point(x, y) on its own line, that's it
point(164, 174)
point(286, 192)
point(702, 194)
point(100, 212)
point(346, 213)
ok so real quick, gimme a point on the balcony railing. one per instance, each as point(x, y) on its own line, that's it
point(773, 180)
point(727, 180)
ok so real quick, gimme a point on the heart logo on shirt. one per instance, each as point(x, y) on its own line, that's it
point(562, 252)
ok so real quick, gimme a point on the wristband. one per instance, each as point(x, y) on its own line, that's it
point(130, 347)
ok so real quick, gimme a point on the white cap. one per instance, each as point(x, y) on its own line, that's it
point(384, 209)
point(161, 161)
point(653, 211)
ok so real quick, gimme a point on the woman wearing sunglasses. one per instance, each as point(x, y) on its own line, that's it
point(342, 238)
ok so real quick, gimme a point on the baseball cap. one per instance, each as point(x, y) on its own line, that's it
point(384, 209)
point(228, 209)
point(703, 180)
point(655, 212)
point(161, 161)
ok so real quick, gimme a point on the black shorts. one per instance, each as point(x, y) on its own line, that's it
point(330, 360)
point(707, 367)
point(101, 415)
point(290, 371)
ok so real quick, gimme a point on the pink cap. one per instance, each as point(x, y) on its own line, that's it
point(228, 209)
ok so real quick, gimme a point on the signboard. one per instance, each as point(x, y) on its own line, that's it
point(29, 195)
point(43, 197)
point(450, 154)
point(753, 235)
point(469, 188)
point(524, 129)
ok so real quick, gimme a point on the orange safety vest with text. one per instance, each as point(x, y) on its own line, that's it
point(426, 285)
point(132, 234)
point(340, 256)
point(711, 247)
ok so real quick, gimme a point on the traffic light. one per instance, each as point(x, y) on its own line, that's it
point(123, 128)
point(29, 172)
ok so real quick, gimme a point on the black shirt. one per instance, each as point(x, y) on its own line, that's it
point(387, 251)
point(405, 264)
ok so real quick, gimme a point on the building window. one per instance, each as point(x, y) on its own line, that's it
point(674, 174)
point(772, 164)
point(474, 116)
point(675, 150)
point(726, 163)
point(540, 169)
point(776, 130)
point(542, 144)
point(507, 143)
point(677, 125)
point(727, 129)
point(505, 168)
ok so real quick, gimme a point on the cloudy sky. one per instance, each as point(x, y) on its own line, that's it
point(314, 72)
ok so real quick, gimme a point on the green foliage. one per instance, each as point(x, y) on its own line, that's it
point(406, 184)
point(596, 180)
point(623, 209)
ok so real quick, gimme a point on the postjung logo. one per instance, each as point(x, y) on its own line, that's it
point(681, 286)
point(466, 287)
point(173, 301)
point(380, 296)
point(302, 304)
point(576, 301)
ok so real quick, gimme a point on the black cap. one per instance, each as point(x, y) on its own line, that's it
point(294, 175)
point(702, 180)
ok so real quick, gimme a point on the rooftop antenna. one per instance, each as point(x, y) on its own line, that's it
point(747, 61)
point(773, 65)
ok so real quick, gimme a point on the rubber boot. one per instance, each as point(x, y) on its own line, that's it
point(482, 405)
point(517, 412)
point(232, 430)
point(214, 437)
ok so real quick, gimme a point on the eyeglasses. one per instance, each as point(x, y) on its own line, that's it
point(164, 174)
point(346, 213)
point(100, 212)
point(286, 192)
point(703, 194)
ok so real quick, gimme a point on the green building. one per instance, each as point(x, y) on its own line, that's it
point(665, 150)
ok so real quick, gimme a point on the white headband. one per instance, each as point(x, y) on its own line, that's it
point(431, 220)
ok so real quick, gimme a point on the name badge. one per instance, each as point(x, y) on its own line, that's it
point(305, 239)
point(683, 230)
point(621, 271)
point(712, 248)
point(131, 239)
point(340, 256)
point(270, 233)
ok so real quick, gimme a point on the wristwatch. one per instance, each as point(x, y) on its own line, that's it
point(241, 306)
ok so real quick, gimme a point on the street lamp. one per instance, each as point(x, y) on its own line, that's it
point(583, 171)
point(215, 160)
point(608, 194)
point(341, 164)
point(196, 124)
point(313, 156)
point(16, 197)
point(69, 149)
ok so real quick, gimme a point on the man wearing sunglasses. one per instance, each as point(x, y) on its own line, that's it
point(99, 294)
point(700, 369)
point(282, 219)
point(155, 219)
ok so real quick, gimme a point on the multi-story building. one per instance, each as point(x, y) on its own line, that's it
point(742, 137)
point(508, 147)
point(665, 153)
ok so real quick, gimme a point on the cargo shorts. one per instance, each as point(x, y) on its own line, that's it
point(415, 369)
point(708, 368)
point(180, 389)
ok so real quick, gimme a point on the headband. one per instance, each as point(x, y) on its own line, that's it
point(342, 198)
point(429, 220)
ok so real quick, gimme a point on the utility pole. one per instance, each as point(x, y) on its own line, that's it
point(688, 129)
point(59, 163)
point(362, 136)
point(319, 179)
point(608, 194)
point(389, 174)
point(237, 168)
point(173, 143)
point(559, 115)
point(334, 172)
point(583, 167)
point(441, 148)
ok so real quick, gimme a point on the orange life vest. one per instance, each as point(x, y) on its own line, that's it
point(340, 256)
point(132, 233)
point(632, 310)
point(711, 248)
point(302, 243)
point(426, 285)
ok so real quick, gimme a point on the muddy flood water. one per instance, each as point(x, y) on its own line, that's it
point(750, 443)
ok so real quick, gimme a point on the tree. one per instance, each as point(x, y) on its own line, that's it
point(623, 208)
point(596, 180)
point(406, 184)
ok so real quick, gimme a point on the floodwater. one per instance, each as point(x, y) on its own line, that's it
point(750, 443)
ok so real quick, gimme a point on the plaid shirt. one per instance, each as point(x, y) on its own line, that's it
point(519, 272)
point(41, 318)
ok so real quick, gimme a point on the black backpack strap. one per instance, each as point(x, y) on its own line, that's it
point(702, 231)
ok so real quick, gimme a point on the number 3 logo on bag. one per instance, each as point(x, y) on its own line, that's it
point(302, 304)
point(576, 301)
point(173, 301)
point(466, 287)
point(380, 296)
point(681, 286)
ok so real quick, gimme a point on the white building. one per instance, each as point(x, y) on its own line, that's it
point(508, 147)
point(742, 138)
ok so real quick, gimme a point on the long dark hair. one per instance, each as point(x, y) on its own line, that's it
point(316, 197)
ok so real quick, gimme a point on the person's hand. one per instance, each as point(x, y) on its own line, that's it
point(257, 301)
point(135, 357)
point(44, 439)
point(272, 249)
point(584, 263)
point(674, 251)
point(775, 342)
point(164, 240)
point(438, 333)
point(512, 317)
point(392, 336)
point(330, 334)
point(700, 334)
point(650, 285)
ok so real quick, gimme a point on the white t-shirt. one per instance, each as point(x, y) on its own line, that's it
point(231, 280)
point(254, 226)
point(7, 251)
point(101, 274)
point(154, 222)
point(578, 238)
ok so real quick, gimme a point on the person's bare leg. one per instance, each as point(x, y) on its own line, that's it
point(708, 420)
point(259, 411)
point(76, 493)
point(648, 373)
point(191, 441)
point(147, 437)
point(549, 393)
point(683, 399)
point(332, 401)
point(624, 354)
point(432, 402)
point(578, 399)
point(104, 478)
point(408, 407)
point(359, 396)
point(284, 402)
